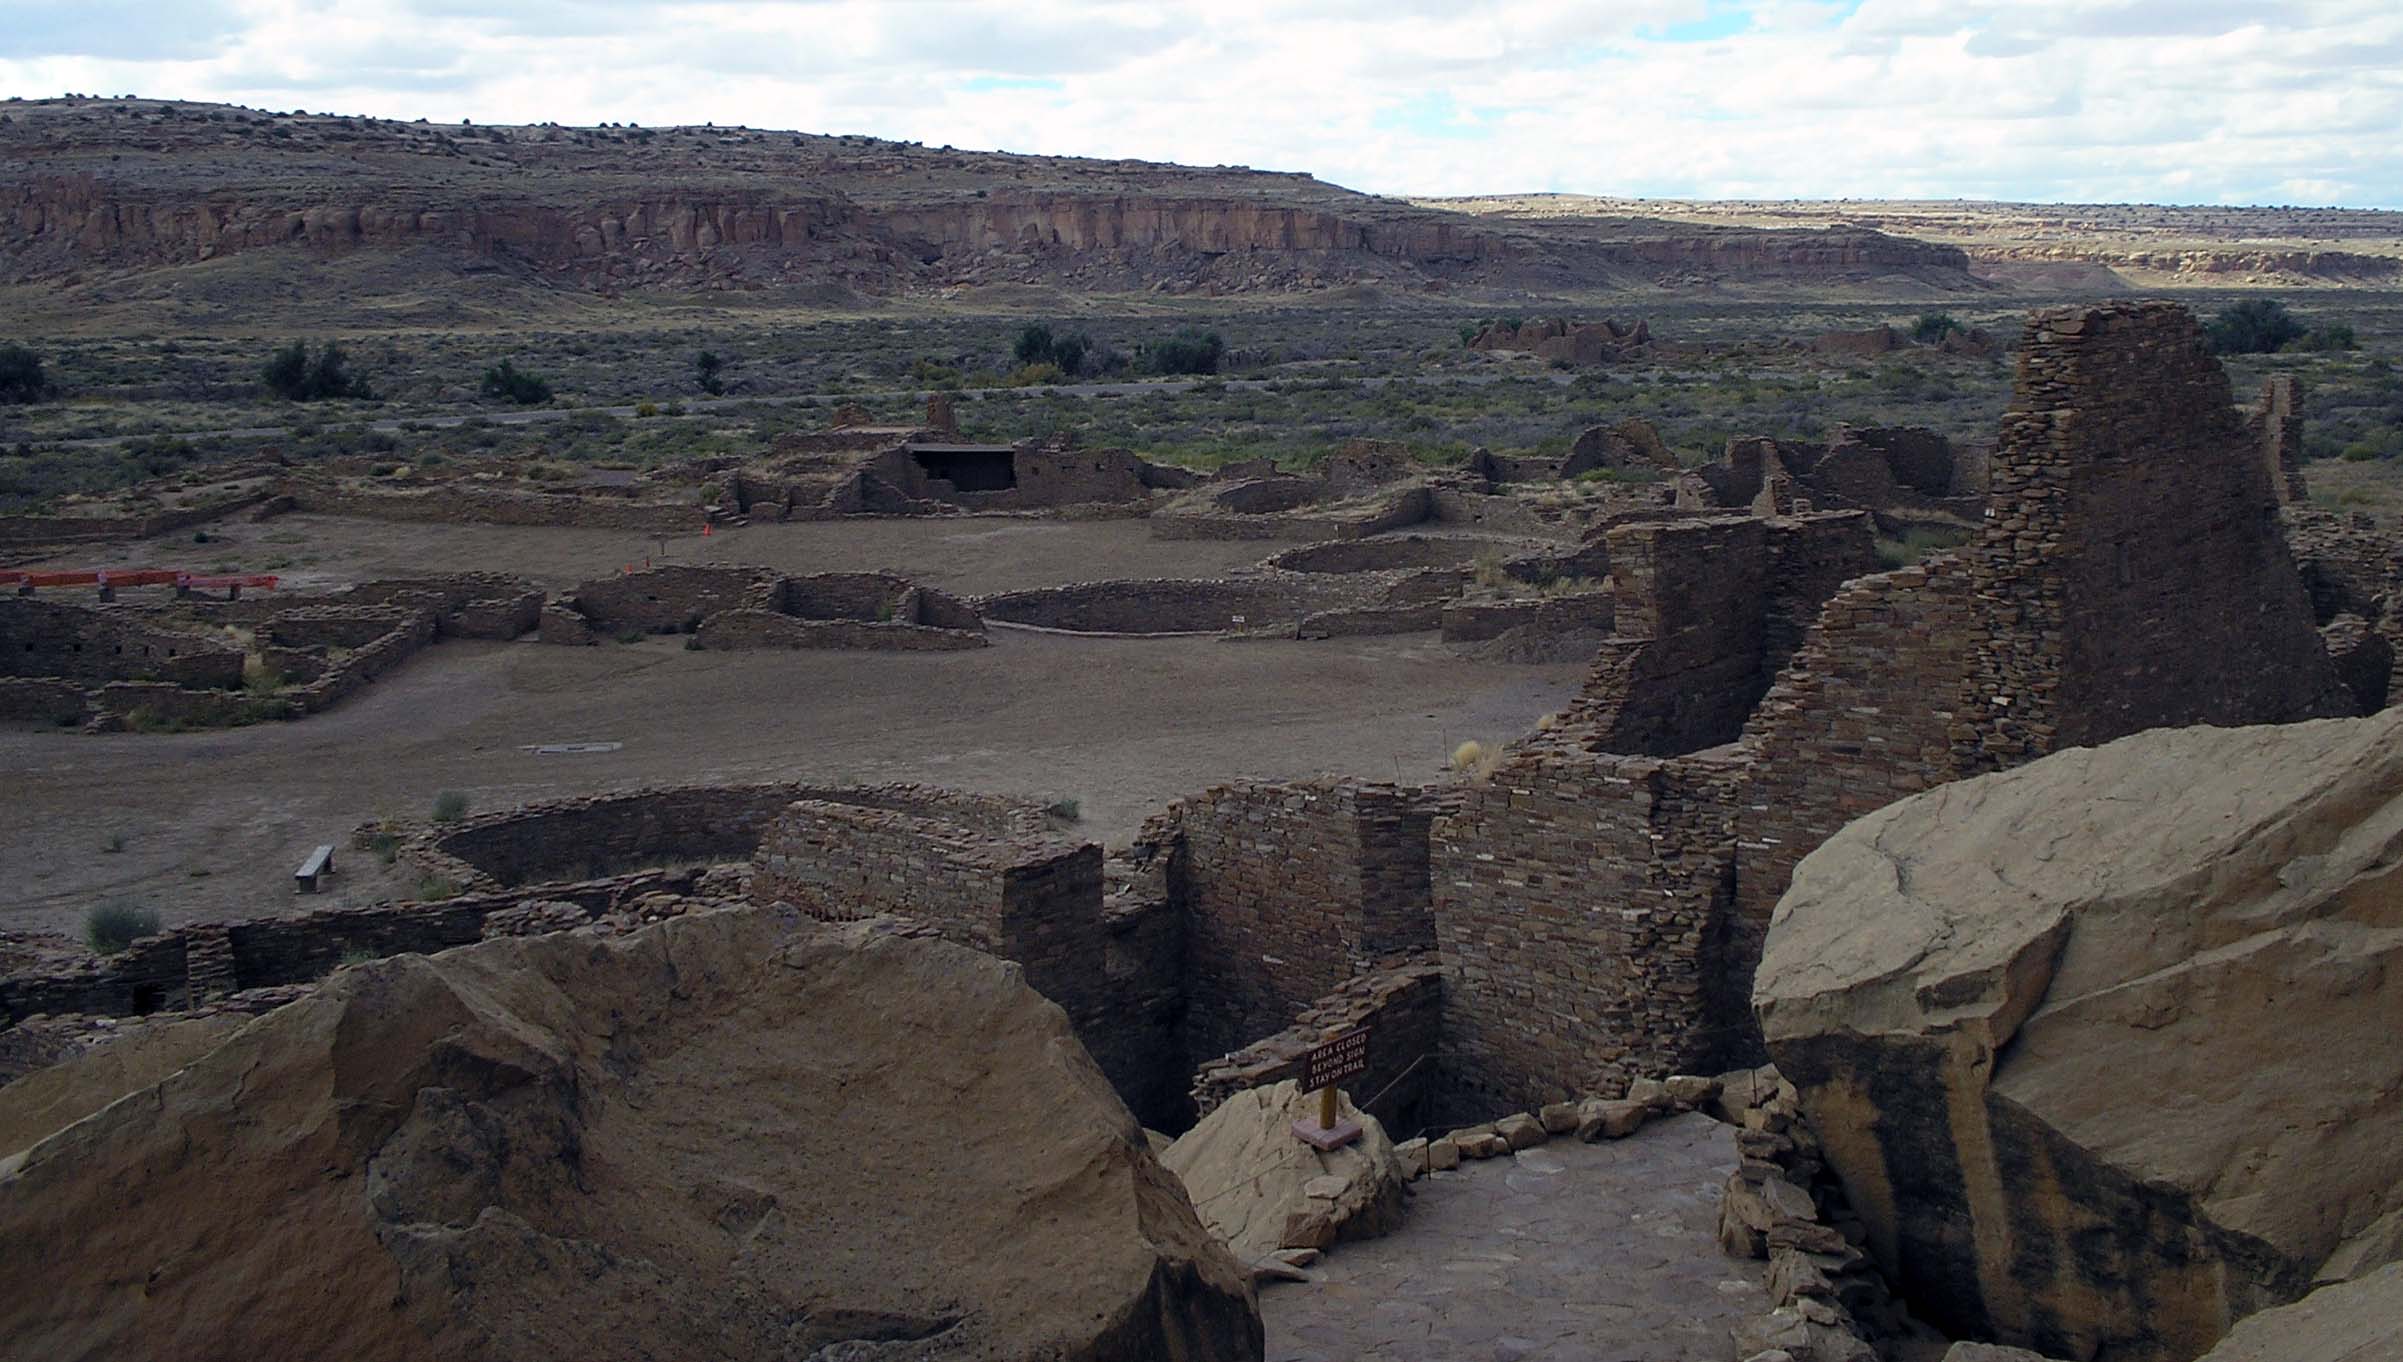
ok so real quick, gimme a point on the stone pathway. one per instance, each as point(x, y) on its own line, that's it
point(1566, 1252)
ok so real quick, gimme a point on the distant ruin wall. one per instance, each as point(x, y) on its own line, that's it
point(454, 503)
point(1175, 607)
point(39, 638)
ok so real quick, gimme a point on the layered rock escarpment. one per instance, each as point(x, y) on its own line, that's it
point(733, 1134)
point(2103, 1047)
point(130, 184)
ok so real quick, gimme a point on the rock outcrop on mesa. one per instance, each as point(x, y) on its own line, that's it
point(1260, 1189)
point(733, 1134)
point(91, 188)
point(2103, 1047)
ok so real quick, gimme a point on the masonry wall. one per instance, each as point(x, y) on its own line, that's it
point(2182, 603)
point(39, 638)
point(572, 838)
point(458, 504)
point(1290, 889)
point(1684, 669)
point(1402, 1009)
point(1576, 900)
point(1601, 916)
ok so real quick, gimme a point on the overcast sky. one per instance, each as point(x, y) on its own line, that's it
point(2189, 101)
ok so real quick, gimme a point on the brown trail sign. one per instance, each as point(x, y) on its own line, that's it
point(1346, 1056)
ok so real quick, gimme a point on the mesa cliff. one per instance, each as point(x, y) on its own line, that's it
point(102, 187)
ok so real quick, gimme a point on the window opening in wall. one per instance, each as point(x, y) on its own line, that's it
point(969, 468)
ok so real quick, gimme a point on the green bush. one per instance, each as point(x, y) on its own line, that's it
point(1068, 351)
point(450, 806)
point(110, 927)
point(1189, 351)
point(296, 376)
point(2256, 326)
point(2334, 336)
point(505, 381)
point(706, 366)
point(1933, 327)
point(21, 378)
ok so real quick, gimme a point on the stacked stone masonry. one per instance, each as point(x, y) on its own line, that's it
point(1599, 914)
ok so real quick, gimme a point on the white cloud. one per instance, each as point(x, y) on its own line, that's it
point(2185, 100)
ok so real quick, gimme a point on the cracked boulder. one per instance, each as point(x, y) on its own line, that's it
point(733, 1134)
point(1260, 1189)
point(2104, 1048)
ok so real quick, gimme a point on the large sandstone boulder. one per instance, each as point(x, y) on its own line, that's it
point(2104, 1048)
point(731, 1135)
point(1261, 1189)
point(2360, 1321)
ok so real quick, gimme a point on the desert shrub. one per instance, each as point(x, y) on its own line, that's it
point(434, 887)
point(1933, 327)
point(450, 806)
point(1189, 351)
point(21, 377)
point(1038, 344)
point(505, 381)
point(706, 367)
point(112, 926)
point(2256, 326)
point(646, 409)
point(1066, 810)
point(2333, 336)
point(1030, 375)
point(293, 374)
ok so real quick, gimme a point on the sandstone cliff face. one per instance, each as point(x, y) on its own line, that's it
point(117, 185)
point(2103, 1047)
point(733, 1134)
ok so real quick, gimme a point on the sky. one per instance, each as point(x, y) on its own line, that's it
point(2163, 101)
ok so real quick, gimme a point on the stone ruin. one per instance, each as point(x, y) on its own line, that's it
point(750, 607)
point(1589, 913)
point(1558, 339)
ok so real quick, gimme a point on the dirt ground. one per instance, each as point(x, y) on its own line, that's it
point(968, 555)
point(210, 825)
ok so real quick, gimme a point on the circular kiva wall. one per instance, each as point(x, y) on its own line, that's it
point(1389, 554)
point(580, 839)
point(1172, 607)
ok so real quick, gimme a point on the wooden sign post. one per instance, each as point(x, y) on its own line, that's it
point(1346, 1056)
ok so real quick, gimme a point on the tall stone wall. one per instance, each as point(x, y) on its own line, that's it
point(1704, 613)
point(2160, 550)
point(1600, 915)
point(1576, 895)
point(1290, 889)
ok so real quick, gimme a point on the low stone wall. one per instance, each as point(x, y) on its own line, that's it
point(1476, 621)
point(46, 639)
point(346, 676)
point(565, 839)
point(455, 503)
point(1385, 555)
point(1202, 518)
point(157, 973)
point(26, 530)
point(41, 699)
point(1402, 1008)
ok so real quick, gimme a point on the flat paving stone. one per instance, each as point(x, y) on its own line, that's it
point(1566, 1252)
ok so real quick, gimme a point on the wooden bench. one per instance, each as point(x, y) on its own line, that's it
point(320, 863)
